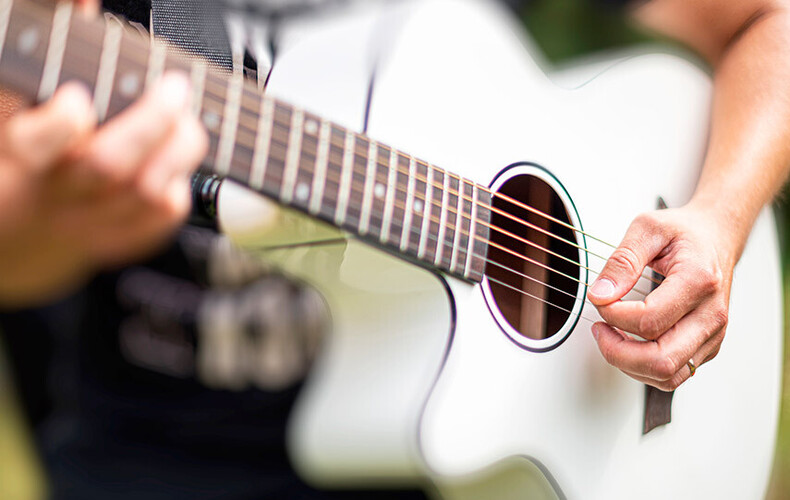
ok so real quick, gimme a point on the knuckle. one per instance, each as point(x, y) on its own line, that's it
point(646, 220)
point(720, 317)
point(651, 326)
point(672, 384)
point(625, 260)
point(665, 368)
point(106, 165)
point(709, 281)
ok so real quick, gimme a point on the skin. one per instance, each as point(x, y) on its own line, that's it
point(696, 246)
point(76, 197)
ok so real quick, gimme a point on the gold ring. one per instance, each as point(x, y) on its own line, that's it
point(692, 366)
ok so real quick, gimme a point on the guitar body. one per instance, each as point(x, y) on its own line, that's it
point(418, 380)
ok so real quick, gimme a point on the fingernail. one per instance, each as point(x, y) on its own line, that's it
point(173, 90)
point(77, 99)
point(595, 331)
point(602, 288)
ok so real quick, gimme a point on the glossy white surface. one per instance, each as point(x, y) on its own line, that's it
point(457, 88)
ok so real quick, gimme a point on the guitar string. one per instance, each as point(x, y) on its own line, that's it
point(446, 243)
point(433, 218)
point(570, 313)
point(256, 97)
point(455, 227)
point(456, 193)
point(452, 210)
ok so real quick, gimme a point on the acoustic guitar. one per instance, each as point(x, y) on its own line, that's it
point(460, 355)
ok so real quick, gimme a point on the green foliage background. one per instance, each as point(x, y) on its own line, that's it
point(566, 29)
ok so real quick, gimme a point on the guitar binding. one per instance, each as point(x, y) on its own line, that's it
point(536, 274)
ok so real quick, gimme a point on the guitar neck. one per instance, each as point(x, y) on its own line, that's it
point(379, 194)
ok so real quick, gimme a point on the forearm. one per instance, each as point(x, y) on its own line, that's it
point(748, 155)
point(748, 45)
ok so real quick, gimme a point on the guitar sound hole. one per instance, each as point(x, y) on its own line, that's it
point(534, 285)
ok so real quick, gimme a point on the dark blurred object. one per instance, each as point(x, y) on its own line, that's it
point(173, 379)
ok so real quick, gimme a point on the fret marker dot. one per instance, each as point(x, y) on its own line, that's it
point(129, 84)
point(380, 190)
point(418, 206)
point(27, 41)
point(210, 120)
point(302, 191)
point(311, 127)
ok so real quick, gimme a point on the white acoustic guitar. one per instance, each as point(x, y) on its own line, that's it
point(460, 354)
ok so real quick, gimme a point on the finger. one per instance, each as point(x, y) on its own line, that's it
point(178, 157)
point(707, 352)
point(660, 359)
point(142, 231)
point(121, 146)
point(640, 245)
point(42, 135)
point(662, 308)
point(89, 8)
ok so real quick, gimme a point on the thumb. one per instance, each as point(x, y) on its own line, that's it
point(641, 244)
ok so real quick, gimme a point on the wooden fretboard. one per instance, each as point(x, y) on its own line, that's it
point(379, 194)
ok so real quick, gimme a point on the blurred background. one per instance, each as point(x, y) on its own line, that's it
point(565, 30)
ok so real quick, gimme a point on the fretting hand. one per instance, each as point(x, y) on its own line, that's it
point(75, 198)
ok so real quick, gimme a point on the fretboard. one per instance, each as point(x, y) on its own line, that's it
point(383, 196)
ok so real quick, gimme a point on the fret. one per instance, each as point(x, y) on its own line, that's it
point(321, 165)
point(57, 45)
point(260, 154)
point(472, 232)
point(22, 63)
point(426, 215)
point(197, 76)
point(107, 64)
point(409, 208)
point(306, 165)
point(278, 149)
point(481, 237)
point(381, 174)
point(293, 154)
point(389, 200)
point(367, 192)
point(230, 122)
point(440, 243)
point(5, 15)
point(344, 191)
point(459, 207)
point(156, 63)
point(334, 171)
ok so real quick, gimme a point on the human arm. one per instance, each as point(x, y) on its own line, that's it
point(697, 246)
